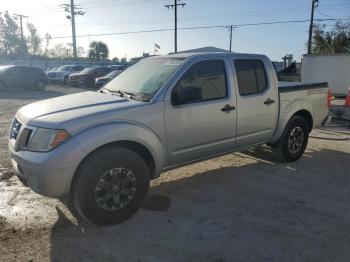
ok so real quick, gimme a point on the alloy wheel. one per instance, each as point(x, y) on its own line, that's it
point(115, 189)
point(296, 139)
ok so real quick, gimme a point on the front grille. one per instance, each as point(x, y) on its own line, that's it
point(23, 139)
point(16, 126)
point(21, 134)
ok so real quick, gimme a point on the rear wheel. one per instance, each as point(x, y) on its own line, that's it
point(293, 142)
point(110, 185)
point(40, 85)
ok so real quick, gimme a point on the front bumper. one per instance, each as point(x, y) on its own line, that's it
point(48, 173)
point(56, 79)
point(79, 82)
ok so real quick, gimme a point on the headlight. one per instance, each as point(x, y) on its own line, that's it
point(44, 140)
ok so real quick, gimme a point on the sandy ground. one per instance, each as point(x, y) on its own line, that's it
point(240, 207)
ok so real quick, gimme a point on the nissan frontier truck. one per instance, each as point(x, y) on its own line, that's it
point(102, 148)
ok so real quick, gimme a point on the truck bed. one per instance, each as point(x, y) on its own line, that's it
point(296, 86)
point(295, 96)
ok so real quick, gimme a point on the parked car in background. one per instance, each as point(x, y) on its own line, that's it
point(13, 76)
point(118, 67)
point(88, 75)
point(52, 69)
point(62, 73)
point(101, 81)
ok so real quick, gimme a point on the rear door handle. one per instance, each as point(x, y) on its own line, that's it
point(228, 108)
point(269, 101)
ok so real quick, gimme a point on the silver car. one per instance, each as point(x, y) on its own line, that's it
point(103, 148)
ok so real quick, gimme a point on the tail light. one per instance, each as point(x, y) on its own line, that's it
point(329, 97)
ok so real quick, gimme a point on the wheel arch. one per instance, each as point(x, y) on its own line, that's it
point(307, 116)
point(136, 147)
point(284, 120)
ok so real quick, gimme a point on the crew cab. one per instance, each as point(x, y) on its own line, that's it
point(102, 148)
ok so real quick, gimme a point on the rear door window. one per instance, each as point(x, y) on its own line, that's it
point(251, 76)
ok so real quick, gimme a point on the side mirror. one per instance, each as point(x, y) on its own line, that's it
point(186, 95)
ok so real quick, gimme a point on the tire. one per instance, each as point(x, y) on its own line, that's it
point(40, 85)
point(66, 80)
point(291, 146)
point(102, 177)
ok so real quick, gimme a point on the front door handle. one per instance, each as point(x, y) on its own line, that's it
point(228, 108)
point(269, 101)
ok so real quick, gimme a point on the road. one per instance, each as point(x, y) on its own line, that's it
point(239, 207)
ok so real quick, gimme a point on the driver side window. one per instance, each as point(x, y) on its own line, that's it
point(204, 81)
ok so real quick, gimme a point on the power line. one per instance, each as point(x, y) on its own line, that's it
point(205, 27)
point(174, 6)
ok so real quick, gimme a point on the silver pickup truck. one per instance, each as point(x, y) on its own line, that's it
point(102, 148)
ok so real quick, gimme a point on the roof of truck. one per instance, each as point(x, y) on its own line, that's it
point(187, 55)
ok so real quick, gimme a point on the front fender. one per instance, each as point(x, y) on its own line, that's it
point(94, 137)
point(287, 110)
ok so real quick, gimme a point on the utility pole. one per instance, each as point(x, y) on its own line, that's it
point(21, 25)
point(174, 6)
point(231, 27)
point(70, 8)
point(309, 45)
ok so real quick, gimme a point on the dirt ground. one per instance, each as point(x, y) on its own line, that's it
point(240, 207)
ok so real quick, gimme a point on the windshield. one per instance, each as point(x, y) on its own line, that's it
point(88, 70)
point(146, 77)
point(63, 68)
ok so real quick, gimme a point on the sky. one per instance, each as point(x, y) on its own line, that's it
point(117, 16)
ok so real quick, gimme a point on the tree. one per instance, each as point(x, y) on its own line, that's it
point(33, 40)
point(123, 60)
point(336, 40)
point(10, 38)
point(64, 51)
point(98, 50)
point(59, 51)
point(115, 59)
point(80, 51)
point(47, 42)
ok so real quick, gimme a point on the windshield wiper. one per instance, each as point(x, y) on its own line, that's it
point(123, 94)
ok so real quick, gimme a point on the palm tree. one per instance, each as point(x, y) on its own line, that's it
point(98, 50)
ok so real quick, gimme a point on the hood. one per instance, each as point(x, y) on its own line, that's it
point(58, 72)
point(55, 112)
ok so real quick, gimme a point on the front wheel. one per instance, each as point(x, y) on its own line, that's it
point(110, 186)
point(291, 146)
